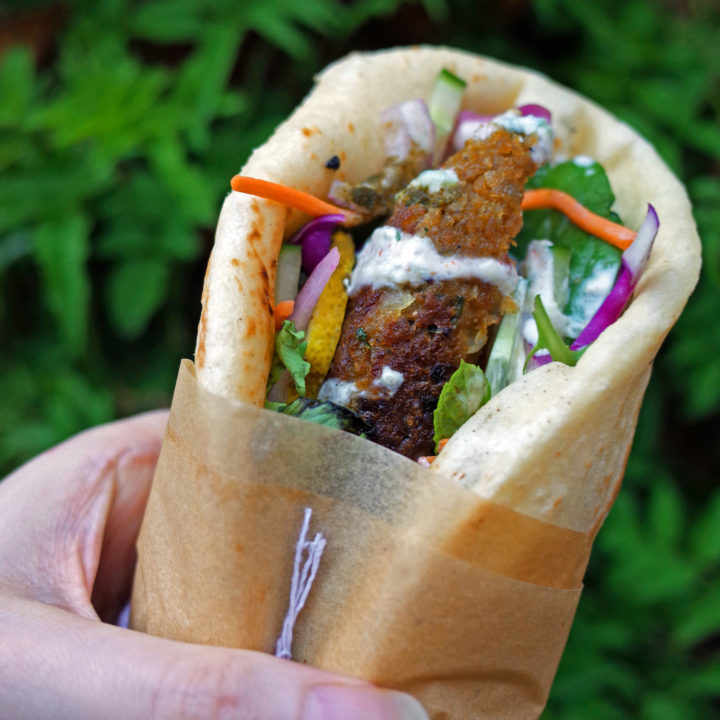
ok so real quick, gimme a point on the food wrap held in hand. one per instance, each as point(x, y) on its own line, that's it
point(456, 583)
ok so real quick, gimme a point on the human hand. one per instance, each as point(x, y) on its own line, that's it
point(70, 519)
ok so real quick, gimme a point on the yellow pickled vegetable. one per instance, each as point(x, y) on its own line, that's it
point(323, 332)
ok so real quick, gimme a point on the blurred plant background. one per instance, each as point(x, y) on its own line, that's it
point(120, 125)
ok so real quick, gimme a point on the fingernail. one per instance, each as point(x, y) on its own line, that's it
point(338, 702)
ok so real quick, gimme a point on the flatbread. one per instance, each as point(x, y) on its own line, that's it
point(554, 444)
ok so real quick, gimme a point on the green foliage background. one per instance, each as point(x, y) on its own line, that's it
point(120, 125)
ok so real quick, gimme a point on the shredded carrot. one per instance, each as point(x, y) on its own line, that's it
point(611, 232)
point(427, 460)
point(283, 310)
point(296, 199)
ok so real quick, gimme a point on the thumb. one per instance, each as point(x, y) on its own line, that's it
point(57, 664)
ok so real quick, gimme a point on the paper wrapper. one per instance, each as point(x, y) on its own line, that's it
point(423, 586)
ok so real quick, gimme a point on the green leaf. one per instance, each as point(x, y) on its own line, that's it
point(704, 681)
point(705, 535)
point(323, 413)
point(549, 338)
point(16, 84)
point(700, 619)
point(44, 192)
point(664, 706)
point(167, 20)
point(665, 514)
point(135, 291)
point(189, 191)
point(200, 92)
point(462, 396)
point(290, 346)
point(589, 256)
point(61, 250)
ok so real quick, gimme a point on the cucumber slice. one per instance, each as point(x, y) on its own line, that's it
point(500, 370)
point(444, 106)
point(287, 279)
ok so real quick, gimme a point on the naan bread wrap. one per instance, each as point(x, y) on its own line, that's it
point(554, 444)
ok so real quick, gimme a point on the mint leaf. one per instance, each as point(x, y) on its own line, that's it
point(290, 346)
point(462, 396)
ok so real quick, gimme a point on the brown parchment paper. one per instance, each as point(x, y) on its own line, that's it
point(423, 587)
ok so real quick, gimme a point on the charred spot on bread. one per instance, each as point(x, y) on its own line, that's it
point(333, 163)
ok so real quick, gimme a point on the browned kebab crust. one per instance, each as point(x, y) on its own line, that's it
point(424, 332)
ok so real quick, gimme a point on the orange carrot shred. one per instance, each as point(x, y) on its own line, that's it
point(283, 310)
point(578, 214)
point(296, 199)
point(427, 460)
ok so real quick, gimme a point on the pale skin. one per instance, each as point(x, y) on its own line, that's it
point(69, 521)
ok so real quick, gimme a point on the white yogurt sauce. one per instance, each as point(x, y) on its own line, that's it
point(435, 180)
point(540, 272)
point(341, 392)
point(515, 122)
point(337, 391)
point(584, 161)
point(391, 257)
point(390, 380)
point(593, 293)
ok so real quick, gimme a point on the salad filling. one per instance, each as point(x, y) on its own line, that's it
point(496, 261)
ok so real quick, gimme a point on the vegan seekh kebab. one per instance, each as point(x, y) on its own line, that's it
point(427, 288)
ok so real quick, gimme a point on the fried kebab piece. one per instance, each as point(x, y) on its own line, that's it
point(423, 332)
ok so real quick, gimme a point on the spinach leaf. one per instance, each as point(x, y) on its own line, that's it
point(593, 262)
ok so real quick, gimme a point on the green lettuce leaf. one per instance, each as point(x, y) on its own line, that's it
point(325, 413)
point(290, 346)
point(590, 257)
point(462, 396)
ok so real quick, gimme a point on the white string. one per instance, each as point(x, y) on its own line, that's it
point(302, 580)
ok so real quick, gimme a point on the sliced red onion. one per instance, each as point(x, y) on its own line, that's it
point(315, 239)
point(536, 111)
point(280, 390)
point(467, 124)
point(313, 287)
point(633, 263)
point(540, 358)
point(407, 123)
point(304, 304)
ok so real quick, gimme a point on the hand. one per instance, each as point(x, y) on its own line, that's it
point(68, 524)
